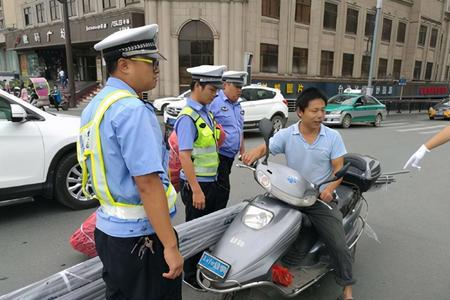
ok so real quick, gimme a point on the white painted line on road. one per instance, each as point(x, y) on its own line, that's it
point(420, 128)
point(429, 132)
point(384, 124)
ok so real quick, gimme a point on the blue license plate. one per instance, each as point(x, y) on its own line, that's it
point(214, 265)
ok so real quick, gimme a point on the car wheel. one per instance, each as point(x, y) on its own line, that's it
point(68, 184)
point(347, 121)
point(431, 118)
point(378, 119)
point(277, 122)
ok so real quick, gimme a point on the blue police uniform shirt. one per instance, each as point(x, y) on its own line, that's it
point(132, 145)
point(187, 133)
point(230, 116)
point(312, 161)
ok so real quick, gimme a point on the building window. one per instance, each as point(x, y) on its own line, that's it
point(40, 13)
point(88, 6)
point(397, 68)
point(27, 15)
point(417, 70)
point(433, 38)
point(370, 25)
point(54, 10)
point(302, 11)
point(330, 16)
point(128, 2)
point(269, 58)
point(352, 21)
point(365, 65)
point(386, 34)
point(72, 7)
point(382, 68)
point(401, 32)
point(326, 63)
point(422, 35)
point(347, 65)
point(109, 4)
point(428, 71)
point(271, 8)
point(300, 61)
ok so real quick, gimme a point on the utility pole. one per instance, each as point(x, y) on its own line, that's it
point(69, 57)
point(373, 54)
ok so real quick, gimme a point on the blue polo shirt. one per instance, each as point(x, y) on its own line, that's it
point(312, 161)
point(231, 116)
point(132, 145)
point(187, 133)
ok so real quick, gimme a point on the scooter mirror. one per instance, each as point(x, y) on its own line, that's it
point(266, 128)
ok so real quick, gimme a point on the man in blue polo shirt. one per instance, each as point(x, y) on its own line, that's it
point(316, 152)
point(121, 148)
point(228, 112)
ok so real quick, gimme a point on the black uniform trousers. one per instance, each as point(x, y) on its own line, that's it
point(327, 221)
point(130, 277)
point(208, 188)
point(222, 185)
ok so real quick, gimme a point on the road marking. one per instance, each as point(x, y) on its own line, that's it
point(429, 132)
point(420, 128)
point(384, 124)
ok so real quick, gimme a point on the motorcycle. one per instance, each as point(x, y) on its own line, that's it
point(272, 231)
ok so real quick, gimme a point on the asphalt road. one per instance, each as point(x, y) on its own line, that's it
point(410, 218)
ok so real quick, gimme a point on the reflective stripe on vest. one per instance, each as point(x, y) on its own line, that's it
point(204, 153)
point(89, 146)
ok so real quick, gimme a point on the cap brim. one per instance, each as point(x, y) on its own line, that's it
point(157, 55)
point(217, 85)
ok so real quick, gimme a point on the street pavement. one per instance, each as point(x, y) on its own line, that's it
point(409, 217)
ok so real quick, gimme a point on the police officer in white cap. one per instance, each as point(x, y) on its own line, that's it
point(228, 112)
point(198, 134)
point(122, 151)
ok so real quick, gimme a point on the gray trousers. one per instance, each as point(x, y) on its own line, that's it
point(328, 225)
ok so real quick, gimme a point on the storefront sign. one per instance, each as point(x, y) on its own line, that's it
point(49, 33)
point(25, 39)
point(118, 23)
point(97, 27)
point(63, 33)
point(37, 37)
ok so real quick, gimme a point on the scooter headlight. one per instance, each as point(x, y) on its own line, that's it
point(256, 217)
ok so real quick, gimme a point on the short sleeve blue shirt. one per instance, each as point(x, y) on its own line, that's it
point(231, 116)
point(312, 161)
point(187, 133)
point(132, 145)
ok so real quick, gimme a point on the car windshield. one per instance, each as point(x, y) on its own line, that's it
point(342, 99)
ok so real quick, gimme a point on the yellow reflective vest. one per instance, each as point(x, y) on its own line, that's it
point(205, 156)
point(89, 146)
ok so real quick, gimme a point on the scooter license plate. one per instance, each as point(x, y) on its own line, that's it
point(216, 266)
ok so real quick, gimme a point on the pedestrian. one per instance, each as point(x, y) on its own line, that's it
point(56, 95)
point(24, 93)
point(229, 114)
point(6, 86)
point(198, 134)
point(316, 152)
point(122, 150)
point(61, 77)
point(438, 139)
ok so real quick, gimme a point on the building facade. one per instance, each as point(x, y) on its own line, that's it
point(9, 66)
point(294, 42)
point(39, 39)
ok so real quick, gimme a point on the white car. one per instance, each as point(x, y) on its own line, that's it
point(38, 155)
point(257, 101)
point(160, 104)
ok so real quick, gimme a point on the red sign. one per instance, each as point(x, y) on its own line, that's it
point(433, 90)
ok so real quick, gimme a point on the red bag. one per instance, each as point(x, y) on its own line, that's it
point(174, 159)
point(281, 275)
point(82, 239)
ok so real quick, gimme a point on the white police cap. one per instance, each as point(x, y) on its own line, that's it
point(139, 41)
point(235, 77)
point(208, 74)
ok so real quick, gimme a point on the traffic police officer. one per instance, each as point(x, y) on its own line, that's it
point(197, 134)
point(121, 148)
point(228, 112)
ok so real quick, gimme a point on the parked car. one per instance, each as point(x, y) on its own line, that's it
point(440, 110)
point(38, 155)
point(257, 101)
point(353, 107)
point(160, 104)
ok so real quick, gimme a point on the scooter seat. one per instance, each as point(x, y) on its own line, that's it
point(345, 195)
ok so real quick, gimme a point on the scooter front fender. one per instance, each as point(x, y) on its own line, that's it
point(250, 252)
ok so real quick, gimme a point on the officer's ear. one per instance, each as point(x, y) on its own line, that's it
point(123, 65)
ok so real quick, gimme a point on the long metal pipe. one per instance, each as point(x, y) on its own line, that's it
point(373, 54)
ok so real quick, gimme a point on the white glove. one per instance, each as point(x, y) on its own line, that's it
point(416, 157)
